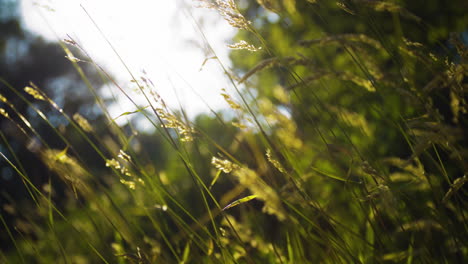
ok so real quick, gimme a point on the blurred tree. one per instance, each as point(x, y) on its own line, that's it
point(26, 58)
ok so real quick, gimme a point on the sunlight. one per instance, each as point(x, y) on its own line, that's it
point(156, 37)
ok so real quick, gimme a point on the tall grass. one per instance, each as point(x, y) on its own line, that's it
point(332, 156)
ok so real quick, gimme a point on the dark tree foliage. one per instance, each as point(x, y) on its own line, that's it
point(24, 59)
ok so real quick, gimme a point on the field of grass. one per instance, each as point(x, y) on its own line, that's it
point(345, 142)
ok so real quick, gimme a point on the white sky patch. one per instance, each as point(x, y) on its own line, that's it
point(157, 36)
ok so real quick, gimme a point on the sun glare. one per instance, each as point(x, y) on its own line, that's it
point(157, 38)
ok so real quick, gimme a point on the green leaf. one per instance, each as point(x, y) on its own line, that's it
point(242, 200)
point(186, 254)
point(205, 61)
point(215, 179)
point(133, 112)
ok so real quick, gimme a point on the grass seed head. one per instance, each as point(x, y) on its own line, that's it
point(229, 100)
point(274, 162)
point(243, 45)
point(34, 93)
point(82, 122)
point(263, 191)
point(3, 99)
point(171, 121)
point(229, 11)
point(4, 113)
point(225, 165)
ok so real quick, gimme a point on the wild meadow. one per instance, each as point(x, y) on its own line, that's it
point(345, 142)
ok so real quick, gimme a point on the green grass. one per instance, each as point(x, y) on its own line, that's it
point(344, 153)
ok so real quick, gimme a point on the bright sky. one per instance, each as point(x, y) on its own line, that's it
point(157, 36)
